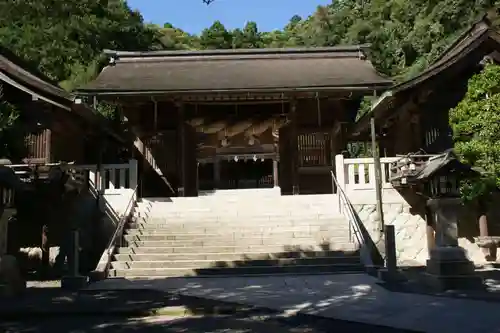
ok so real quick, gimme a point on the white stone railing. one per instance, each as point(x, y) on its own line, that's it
point(359, 173)
point(111, 176)
point(356, 176)
point(110, 179)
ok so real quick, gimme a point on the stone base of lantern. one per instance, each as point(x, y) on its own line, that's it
point(449, 269)
point(74, 282)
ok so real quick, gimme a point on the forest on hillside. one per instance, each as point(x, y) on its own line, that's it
point(65, 39)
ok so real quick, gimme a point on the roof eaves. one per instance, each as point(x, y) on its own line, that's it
point(383, 103)
point(14, 83)
point(482, 20)
point(379, 106)
point(440, 66)
point(87, 91)
point(230, 52)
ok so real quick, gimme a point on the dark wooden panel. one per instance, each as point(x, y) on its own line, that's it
point(318, 182)
point(191, 163)
point(161, 151)
point(38, 147)
point(285, 151)
point(314, 149)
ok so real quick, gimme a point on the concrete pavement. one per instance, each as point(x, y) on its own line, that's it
point(348, 297)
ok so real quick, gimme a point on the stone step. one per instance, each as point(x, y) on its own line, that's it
point(281, 238)
point(351, 256)
point(245, 202)
point(233, 233)
point(197, 264)
point(270, 206)
point(240, 195)
point(221, 218)
point(228, 218)
point(198, 228)
point(169, 248)
point(149, 273)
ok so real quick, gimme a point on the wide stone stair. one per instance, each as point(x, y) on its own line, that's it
point(236, 233)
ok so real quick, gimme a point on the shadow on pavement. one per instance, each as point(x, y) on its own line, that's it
point(53, 310)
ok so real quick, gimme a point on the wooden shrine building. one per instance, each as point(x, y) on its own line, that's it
point(227, 119)
point(55, 127)
point(413, 115)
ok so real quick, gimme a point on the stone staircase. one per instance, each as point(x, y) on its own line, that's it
point(243, 232)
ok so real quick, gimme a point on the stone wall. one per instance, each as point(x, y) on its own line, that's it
point(410, 230)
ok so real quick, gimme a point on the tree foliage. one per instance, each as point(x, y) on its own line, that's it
point(475, 122)
point(11, 134)
point(64, 38)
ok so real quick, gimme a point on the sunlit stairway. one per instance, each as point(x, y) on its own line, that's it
point(243, 232)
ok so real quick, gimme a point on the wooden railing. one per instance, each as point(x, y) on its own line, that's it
point(109, 178)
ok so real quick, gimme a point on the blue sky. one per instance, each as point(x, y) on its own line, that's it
point(193, 15)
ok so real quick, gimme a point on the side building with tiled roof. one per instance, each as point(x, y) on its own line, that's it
point(414, 115)
point(56, 128)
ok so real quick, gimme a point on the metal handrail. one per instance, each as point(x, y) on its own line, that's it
point(121, 224)
point(351, 216)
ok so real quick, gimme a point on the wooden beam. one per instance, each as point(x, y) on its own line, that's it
point(181, 129)
point(236, 97)
point(295, 155)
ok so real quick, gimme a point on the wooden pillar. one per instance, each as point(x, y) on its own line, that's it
point(388, 144)
point(294, 141)
point(416, 139)
point(181, 132)
point(337, 146)
point(216, 172)
point(275, 172)
point(338, 139)
point(276, 182)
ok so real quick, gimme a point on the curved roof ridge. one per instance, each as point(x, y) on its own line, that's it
point(232, 52)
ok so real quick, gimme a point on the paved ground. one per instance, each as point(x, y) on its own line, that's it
point(165, 324)
point(154, 324)
point(47, 308)
point(240, 323)
point(347, 297)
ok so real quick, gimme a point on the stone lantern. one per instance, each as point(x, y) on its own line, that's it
point(436, 178)
point(448, 266)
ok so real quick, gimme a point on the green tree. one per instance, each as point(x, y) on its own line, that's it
point(11, 133)
point(62, 35)
point(475, 122)
point(248, 38)
point(216, 37)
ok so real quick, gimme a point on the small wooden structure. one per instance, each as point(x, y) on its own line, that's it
point(56, 128)
point(413, 115)
point(433, 176)
point(238, 118)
